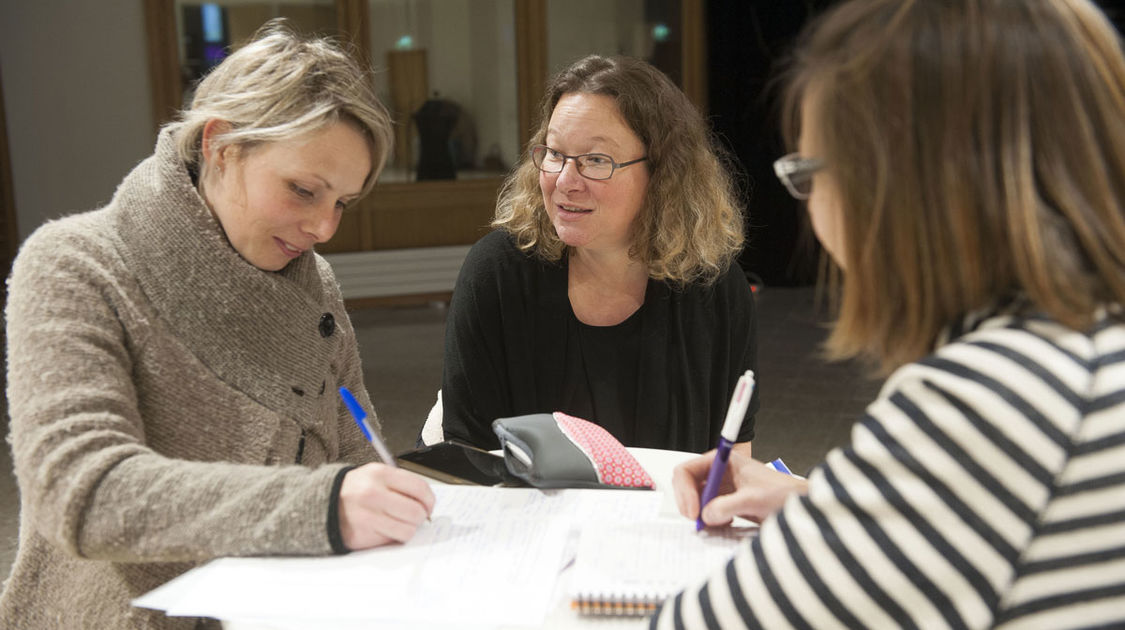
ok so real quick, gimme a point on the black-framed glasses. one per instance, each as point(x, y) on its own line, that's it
point(796, 173)
point(590, 165)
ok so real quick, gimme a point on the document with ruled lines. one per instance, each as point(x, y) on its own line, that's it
point(496, 552)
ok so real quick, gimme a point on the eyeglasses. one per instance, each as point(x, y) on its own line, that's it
point(590, 165)
point(796, 173)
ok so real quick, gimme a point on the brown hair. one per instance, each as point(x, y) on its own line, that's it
point(689, 228)
point(978, 149)
point(282, 85)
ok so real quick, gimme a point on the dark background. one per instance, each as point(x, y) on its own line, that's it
point(748, 41)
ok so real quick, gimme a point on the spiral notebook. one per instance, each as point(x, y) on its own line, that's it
point(630, 569)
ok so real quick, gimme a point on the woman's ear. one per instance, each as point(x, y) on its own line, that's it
point(212, 130)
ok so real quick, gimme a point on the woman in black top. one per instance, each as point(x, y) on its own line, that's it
point(608, 292)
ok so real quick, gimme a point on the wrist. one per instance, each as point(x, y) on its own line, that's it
point(335, 536)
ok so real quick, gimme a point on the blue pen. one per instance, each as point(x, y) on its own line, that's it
point(360, 417)
point(735, 414)
point(780, 466)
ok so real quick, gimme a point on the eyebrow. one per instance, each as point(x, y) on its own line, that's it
point(327, 184)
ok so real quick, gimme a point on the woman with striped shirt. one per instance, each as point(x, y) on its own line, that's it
point(964, 166)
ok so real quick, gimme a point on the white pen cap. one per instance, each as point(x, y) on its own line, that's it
point(739, 403)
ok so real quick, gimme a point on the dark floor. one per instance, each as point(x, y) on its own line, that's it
point(808, 406)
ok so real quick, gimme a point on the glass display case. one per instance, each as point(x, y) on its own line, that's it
point(462, 79)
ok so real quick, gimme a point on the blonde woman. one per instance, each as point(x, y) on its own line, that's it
point(174, 357)
point(964, 165)
point(608, 290)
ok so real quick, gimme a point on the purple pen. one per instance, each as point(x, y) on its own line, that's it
point(735, 414)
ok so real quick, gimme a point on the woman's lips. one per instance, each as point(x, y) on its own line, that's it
point(572, 211)
point(287, 249)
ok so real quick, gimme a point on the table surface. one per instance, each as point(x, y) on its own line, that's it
point(659, 464)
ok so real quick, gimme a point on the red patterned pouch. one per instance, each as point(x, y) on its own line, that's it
point(561, 451)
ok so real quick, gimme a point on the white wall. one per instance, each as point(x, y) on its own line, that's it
point(448, 49)
point(493, 70)
point(576, 28)
point(77, 99)
point(470, 57)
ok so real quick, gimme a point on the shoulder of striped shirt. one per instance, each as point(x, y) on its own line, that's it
point(1004, 332)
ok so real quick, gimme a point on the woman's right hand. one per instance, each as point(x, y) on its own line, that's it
point(379, 504)
point(750, 489)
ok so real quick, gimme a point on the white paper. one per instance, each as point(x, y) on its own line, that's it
point(650, 560)
point(491, 555)
point(499, 571)
point(475, 503)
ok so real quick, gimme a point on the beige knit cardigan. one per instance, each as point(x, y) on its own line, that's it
point(170, 403)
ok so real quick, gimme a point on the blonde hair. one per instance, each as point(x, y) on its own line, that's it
point(978, 149)
point(280, 86)
point(689, 228)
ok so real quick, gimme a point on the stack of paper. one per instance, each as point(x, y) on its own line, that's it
point(490, 557)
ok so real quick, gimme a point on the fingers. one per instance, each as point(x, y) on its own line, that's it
point(398, 506)
point(760, 492)
point(411, 485)
point(379, 504)
point(687, 482)
point(382, 528)
point(686, 492)
point(722, 509)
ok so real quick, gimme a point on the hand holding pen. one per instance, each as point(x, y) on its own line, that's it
point(736, 413)
point(751, 490)
point(379, 503)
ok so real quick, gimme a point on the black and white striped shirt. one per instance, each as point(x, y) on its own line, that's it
point(985, 487)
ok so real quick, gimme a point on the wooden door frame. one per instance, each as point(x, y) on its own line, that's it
point(10, 233)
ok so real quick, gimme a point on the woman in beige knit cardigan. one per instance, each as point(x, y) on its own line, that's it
point(174, 357)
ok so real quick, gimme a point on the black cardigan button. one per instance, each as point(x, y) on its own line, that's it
point(327, 325)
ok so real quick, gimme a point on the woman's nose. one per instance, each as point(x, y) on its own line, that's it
point(569, 177)
point(322, 224)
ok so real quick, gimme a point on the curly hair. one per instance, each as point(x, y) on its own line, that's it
point(282, 85)
point(690, 227)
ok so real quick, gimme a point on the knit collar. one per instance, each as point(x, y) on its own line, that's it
point(256, 330)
